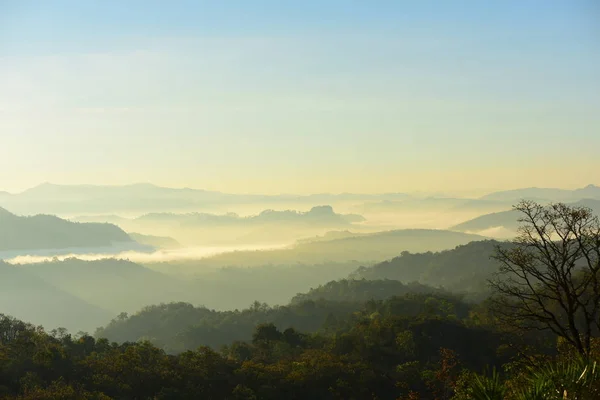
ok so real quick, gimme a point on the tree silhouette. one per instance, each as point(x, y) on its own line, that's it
point(549, 276)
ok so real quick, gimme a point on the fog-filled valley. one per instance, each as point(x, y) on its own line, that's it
point(277, 287)
point(81, 272)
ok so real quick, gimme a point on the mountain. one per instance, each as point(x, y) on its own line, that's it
point(545, 194)
point(40, 232)
point(32, 299)
point(145, 198)
point(508, 220)
point(465, 268)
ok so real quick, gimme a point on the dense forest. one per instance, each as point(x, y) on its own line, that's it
point(407, 347)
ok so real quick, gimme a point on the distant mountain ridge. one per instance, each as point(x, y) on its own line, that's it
point(50, 232)
point(545, 194)
point(146, 197)
point(316, 215)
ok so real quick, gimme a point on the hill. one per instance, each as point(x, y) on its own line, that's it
point(363, 247)
point(114, 285)
point(383, 245)
point(32, 299)
point(508, 220)
point(177, 327)
point(505, 219)
point(348, 290)
point(465, 268)
point(50, 232)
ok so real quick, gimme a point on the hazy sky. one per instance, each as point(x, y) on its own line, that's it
point(300, 96)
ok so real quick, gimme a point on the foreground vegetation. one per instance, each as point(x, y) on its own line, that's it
point(409, 347)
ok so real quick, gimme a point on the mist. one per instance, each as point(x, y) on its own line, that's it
point(156, 256)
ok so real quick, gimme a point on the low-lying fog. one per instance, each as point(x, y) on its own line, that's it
point(155, 256)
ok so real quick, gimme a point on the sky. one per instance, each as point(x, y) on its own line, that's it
point(301, 96)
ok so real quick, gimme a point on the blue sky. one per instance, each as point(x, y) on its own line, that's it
point(285, 96)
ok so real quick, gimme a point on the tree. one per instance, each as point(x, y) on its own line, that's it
point(549, 276)
point(266, 333)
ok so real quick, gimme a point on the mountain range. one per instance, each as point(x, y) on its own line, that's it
point(320, 215)
point(144, 198)
point(205, 229)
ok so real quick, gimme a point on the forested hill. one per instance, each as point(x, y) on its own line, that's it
point(178, 327)
point(384, 350)
point(466, 268)
point(31, 298)
point(510, 219)
point(50, 232)
point(349, 290)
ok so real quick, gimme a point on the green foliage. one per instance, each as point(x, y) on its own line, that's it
point(178, 327)
point(570, 379)
point(379, 349)
point(362, 290)
point(488, 388)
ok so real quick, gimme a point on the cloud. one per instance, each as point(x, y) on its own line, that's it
point(188, 253)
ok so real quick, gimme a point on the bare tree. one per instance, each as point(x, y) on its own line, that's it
point(549, 277)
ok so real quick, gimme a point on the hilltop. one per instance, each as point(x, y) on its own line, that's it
point(41, 232)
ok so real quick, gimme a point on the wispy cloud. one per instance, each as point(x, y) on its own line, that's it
point(188, 253)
